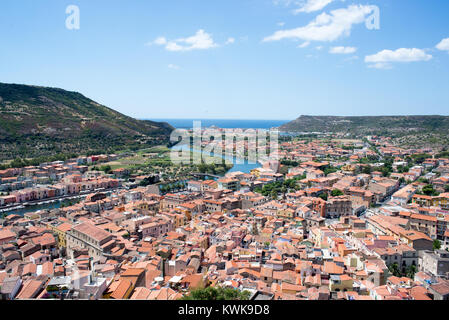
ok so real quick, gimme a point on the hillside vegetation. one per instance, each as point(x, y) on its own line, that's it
point(406, 130)
point(40, 121)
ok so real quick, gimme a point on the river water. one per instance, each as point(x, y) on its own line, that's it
point(48, 205)
point(241, 165)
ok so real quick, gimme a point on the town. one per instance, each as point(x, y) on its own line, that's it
point(330, 219)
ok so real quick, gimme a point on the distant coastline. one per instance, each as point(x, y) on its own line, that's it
point(224, 123)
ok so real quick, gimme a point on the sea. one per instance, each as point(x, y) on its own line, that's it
point(224, 123)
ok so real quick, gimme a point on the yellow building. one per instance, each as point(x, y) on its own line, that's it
point(61, 233)
point(186, 210)
point(286, 213)
point(340, 283)
point(255, 172)
point(178, 219)
point(428, 201)
point(349, 169)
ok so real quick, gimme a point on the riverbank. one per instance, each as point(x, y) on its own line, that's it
point(50, 203)
point(239, 165)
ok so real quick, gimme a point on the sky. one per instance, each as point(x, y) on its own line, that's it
point(234, 59)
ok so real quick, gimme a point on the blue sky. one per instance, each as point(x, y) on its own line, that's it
point(242, 59)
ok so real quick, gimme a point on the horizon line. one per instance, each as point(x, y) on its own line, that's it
point(305, 115)
point(216, 119)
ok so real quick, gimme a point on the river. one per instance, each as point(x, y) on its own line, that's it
point(239, 164)
point(45, 205)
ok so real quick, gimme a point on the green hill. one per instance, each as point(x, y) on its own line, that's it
point(395, 126)
point(40, 121)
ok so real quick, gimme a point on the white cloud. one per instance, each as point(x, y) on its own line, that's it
point(160, 41)
point(285, 2)
point(443, 45)
point(327, 27)
point(200, 41)
point(174, 66)
point(384, 58)
point(342, 50)
point(312, 6)
point(230, 41)
point(380, 65)
point(399, 55)
point(306, 6)
point(304, 44)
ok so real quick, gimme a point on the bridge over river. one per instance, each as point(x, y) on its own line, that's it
point(204, 175)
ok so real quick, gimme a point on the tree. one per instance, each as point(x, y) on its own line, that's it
point(394, 269)
point(217, 293)
point(436, 244)
point(106, 169)
point(419, 158)
point(367, 170)
point(386, 171)
point(402, 169)
point(411, 271)
point(147, 181)
point(336, 193)
point(323, 196)
point(428, 190)
point(423, 180)
point(329, 170)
